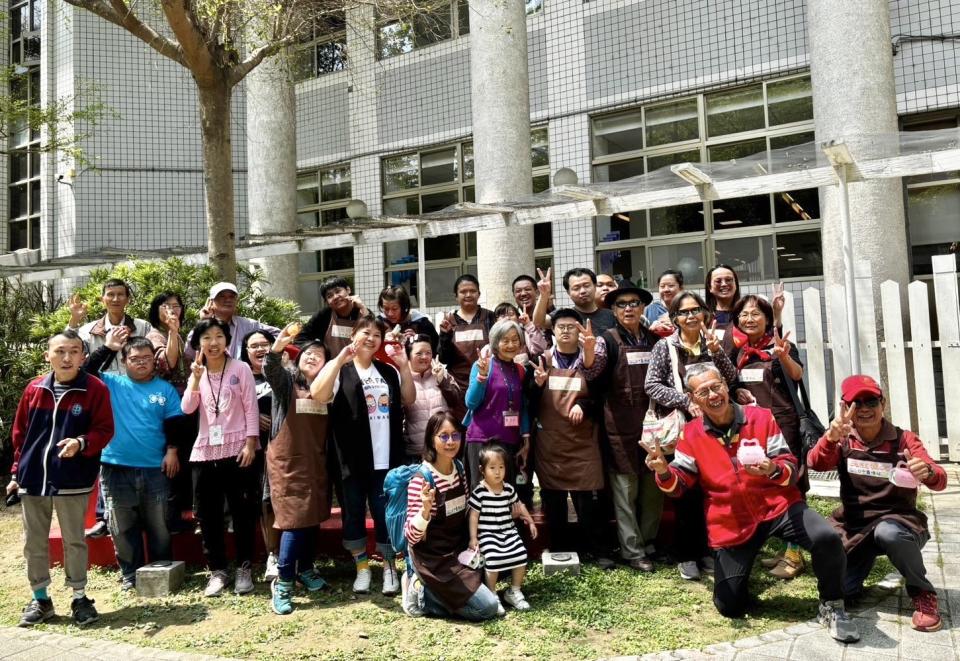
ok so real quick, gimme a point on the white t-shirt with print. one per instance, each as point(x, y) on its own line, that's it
point(377, 396)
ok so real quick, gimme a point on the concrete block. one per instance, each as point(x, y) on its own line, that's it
point(159, 579)
point(554, 563)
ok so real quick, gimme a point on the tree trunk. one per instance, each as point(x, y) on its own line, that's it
point(218, 178)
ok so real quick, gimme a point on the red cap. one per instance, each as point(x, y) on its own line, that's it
point(853, 387)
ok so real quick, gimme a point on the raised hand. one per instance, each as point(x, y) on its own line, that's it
point(286, 336)
point(446, 326)
point(778, 301)
point(171, 320)
point(655, 460)
point(540, 372)
point(920, 469)
point(348, 352)
point(439, 370)
point(207, 310)
point(842, 425)
point(358, 305)
point(196, 367)
point(78, 310)
point(710, 335)
point(587, 339)
point(781, 345)
point(545, 283)
point(116, 338)
point(427, 497)
point(483, 362)
point(523, 319)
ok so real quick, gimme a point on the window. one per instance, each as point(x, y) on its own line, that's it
point(433, 179)
point(712, 128)
point(23, 176)
point(325, 50)
point(322, 197)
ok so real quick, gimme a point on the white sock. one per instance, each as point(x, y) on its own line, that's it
point(79, 593)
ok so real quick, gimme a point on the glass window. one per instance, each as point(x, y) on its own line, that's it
point(614, 134)
point(736, 150)
point(676, 220)
point(540, 183)
point(337, 259)
point(430, 27)
point(36, 14)
point(307, 192)
point(663, 160)
point(621, 226)
point(629, 263)
point(618, 171)
point(34, 232)
point(394, 39)
point(782, 141)
point(18, 166)
point(308, 219)
point(401, 172)
point(439, 167)
point(328, 216)
point(463, 17)
point(18, 201)
point(408, 280)
point(402, 206)
point(533, 6)
point(789, 101)
point(18, 235)
point(440, 285)
point(539, 147)
point(335, 183)
point(739, 212)
point(34, 197)
point(397, 253)
point(796, 205)
point(331, 56)
point(933, 214)
point(752, 257)
point(467, 161)
point(438, 201)
point(674, 122)
point(684, 257)
point(799, 255)
point(441, 247)
point(542, 236)
point(735, 111)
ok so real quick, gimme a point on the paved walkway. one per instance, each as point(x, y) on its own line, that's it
point(33, 645)
point(884, 624)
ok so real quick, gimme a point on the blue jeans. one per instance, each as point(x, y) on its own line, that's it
point(483, 605)
point(358, 493)
point(136, 502)
point(296, 552)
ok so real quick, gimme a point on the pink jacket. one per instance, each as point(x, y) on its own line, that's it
point(238, 413)
point(431, 397)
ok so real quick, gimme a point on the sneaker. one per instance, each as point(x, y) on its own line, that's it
point(391, 583)
point(787, 568)
point(272, 571)
point(217, 582)
point(770, 563)
point(83, 611)
point(361, 584)
point(410, 591)
point(281, 596)
point(838, 623)
point(604, 562)
point(37, 611)
point(642, 564)
point(128, 583)
point(926, 616)
point(98, 529)
point(311, 580)
point(689, 570)
point(243, 583)
point(514, 597)
point(501, 611)
point(707, 564)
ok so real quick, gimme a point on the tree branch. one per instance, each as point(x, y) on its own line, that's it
point(119, 14)
point(196, 52)
point(240, 71)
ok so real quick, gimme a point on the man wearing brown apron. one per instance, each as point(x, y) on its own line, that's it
point(333, 325)
point(464, 331)
point(566, 445)
point(880, 467)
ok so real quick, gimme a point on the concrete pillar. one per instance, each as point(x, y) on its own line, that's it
point(272, 167)
point(854, 94)
point(499, 89)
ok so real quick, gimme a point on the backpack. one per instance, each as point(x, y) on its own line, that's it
point(395, 489)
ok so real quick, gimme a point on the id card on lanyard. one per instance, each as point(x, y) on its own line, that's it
point(215, 437)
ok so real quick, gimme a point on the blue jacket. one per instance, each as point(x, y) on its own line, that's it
point(83, 412)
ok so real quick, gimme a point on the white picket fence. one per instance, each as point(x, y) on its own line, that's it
point(908, 374)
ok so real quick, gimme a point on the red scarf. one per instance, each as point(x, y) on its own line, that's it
point(750, 351)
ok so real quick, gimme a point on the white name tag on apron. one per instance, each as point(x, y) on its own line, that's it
point(311, 407)
point(573, 383)
point(456, 505)
point(216, 435)
point(469, 335)
point(868, 468)
point(751, 376)
point(720, 332)
point(340, 331)
point(638, 357)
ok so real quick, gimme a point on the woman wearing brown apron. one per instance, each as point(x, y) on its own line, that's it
point(437, 532)
point(464, 332)
point(695, 341)
point(566, 446)
point(769, 364)
point(296, 468)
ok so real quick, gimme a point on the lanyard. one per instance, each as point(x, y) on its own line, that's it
point(565, 361)
point(509, 384)
point(216, 398)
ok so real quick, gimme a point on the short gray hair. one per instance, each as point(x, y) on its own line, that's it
point(699, 369)
point(500, 329)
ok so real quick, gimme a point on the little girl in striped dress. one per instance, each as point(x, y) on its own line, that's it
point(492, 529)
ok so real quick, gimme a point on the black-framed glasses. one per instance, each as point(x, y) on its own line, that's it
point(690, 312)
point(716, 389)
point(869, 402)
point(623, 305)
point(446, 438)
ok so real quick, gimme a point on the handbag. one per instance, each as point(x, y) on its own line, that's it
point(665, 430)
point(811, 429)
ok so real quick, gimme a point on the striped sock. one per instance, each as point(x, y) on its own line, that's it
point(40, 594)
point(362, 561)
point(793, 553)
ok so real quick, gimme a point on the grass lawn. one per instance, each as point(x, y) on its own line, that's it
point(599, 614)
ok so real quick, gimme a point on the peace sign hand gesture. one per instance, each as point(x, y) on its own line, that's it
point(842, 425)
point(540, 372)
point(196, 368)
point(781, 345)
point(545, 284)
point(656, 461)
point(710, 335)
point(587, 339)
point(778, 301)
point(483, 362)
point(447, 324)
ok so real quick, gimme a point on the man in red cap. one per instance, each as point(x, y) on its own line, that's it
point(880, 466)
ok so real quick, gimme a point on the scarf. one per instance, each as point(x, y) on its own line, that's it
point(748, 350)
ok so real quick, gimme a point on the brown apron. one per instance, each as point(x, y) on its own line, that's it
point(468, 339)
point(435, 556)
point(297, 465)
point(567, 456)
point(338, 334)
point(869, 497)
point(626, 403)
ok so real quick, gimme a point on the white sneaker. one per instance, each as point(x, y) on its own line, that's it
point(689, 571)
point(272, 571)
point(361, 584)
point(501, 612)
point(410, 589)
point(514, 597)
point(243, 584)
point(391, 582)
point(216, 583)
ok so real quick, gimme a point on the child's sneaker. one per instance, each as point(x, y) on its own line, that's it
point(410, 591)
point(37, 611)
point(514, 597)
point(311, 580)
point(281, 599)
point(391, 583)
point(272, 571)
point(83, 611)
point(361, 584)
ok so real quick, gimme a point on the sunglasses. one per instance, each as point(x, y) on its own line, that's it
point(446, 438)
point(691, 312)
point(869, 402)
point(623, 305)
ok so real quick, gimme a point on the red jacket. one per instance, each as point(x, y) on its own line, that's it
point(735, 502)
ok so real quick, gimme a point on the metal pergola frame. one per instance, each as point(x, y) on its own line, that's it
point(834, 163)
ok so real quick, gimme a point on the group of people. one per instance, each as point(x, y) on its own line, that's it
point(276, 424)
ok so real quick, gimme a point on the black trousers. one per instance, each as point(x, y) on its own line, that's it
point(800, 525)
point(212, 482)
point(690, 527)
point(591, 534)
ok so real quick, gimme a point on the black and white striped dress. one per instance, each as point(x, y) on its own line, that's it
point(499, 539)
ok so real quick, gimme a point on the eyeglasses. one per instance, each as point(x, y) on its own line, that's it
point(258, 345)
point(716, 389)
point(623, 305)
point(446, 438)
point(690, 312)
point(755, 314)
point(565, 328)
point(142, 360)
point(869, 402)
